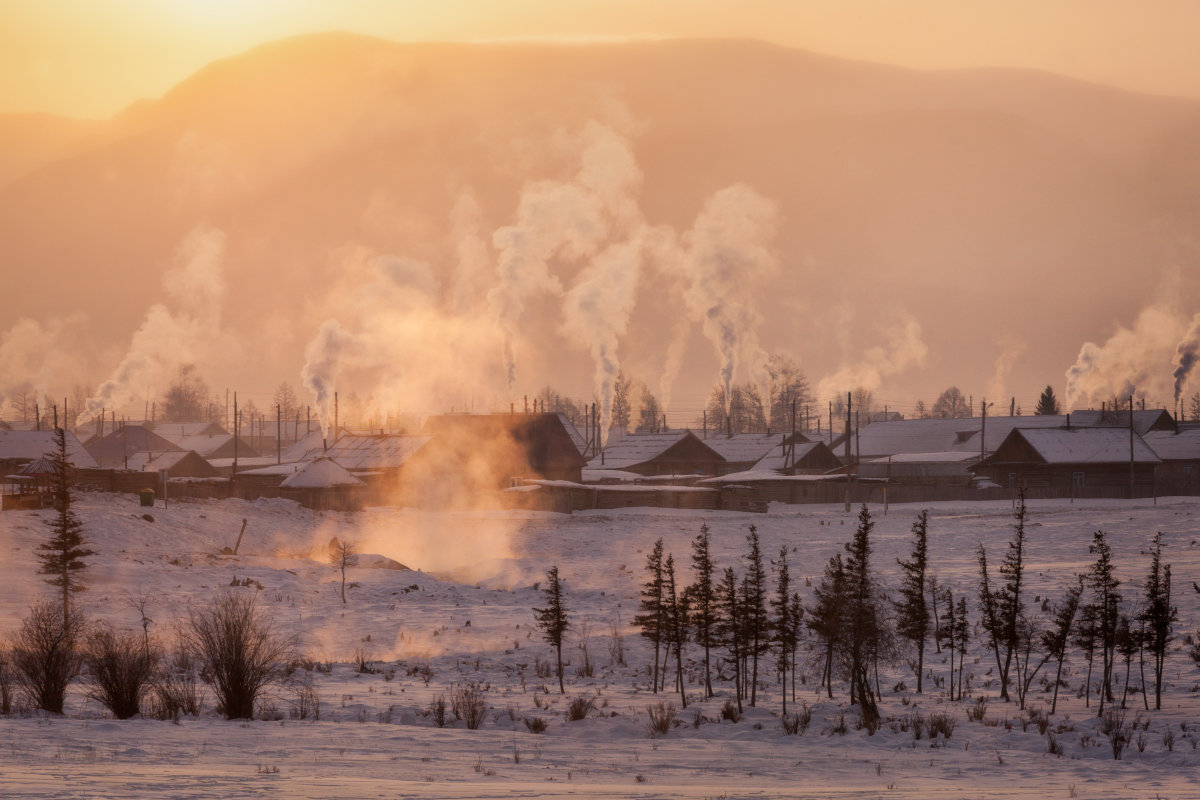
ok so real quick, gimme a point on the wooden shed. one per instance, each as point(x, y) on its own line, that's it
point(1076, 462)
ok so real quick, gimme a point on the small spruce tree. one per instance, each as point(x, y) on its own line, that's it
point(1047, 403)
point(912, 611)
point(553, 619)
point(62, 554)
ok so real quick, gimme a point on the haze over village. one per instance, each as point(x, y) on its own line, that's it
point(796, 399)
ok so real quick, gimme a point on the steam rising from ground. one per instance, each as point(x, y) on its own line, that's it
point(185, 330)
point(1133, 361)
point(907, 350)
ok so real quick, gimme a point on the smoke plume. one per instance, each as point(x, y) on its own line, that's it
point(907, 350)
point(1132, 361)
point(33, 357)
point(1011, 349)
point(1187, 353)
point(726, 261)
point(181, 331)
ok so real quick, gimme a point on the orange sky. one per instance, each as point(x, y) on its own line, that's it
point(89, 58)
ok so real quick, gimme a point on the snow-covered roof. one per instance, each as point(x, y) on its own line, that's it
point(940, 435)
point(41, 466)
point(745, 447)
point(1182, 446)
point(320, 474)
point(177, 431)
point(778, 460)
point(637, 448)
point(954, 456)
point(366, 451)
point(32, 445)
point(1088, 446)
point(205, 444)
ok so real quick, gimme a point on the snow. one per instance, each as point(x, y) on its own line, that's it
point(32, 445)
point(320, 474)
point(465, 614)
point(1088, 446)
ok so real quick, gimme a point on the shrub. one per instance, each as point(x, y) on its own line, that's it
point(176, 689)
point(437, 710)
point(978, 710)
point(469, 702)
point(45, 654)
point(730, 711)
point(1039, 718)
point(306, 702)
point(579, 708)
point(941, 723)
point(535, 724)
point(238, 650)
point(122, 666)
point(1113, 725)
point(662, 718)
point(6, 684)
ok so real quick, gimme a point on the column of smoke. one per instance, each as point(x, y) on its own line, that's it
point(597, 308)
point(394, 330)
point(1133, 361)
point(1011, 349)
point(1187, 353)
point(33, 357)
point(723, 261)
point(907, 350)
point(185, 330)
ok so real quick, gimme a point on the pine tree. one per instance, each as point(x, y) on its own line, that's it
point(826, 616)
point(675, 616)
point(912, 611)
point(1105, 604)
point(702, 601)
point(962, 636)
point(782, 623)
point(553, 619)
point(754, 604)
point(651, 620)
point(62, 554)
point(1047, 403)
point(731, 628)
point(864, 632)
point(1159, 616)
point(1002, 610)
point(1057, 638)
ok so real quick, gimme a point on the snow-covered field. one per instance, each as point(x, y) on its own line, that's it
point(464, 615)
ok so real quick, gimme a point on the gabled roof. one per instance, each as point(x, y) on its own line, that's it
point(748, 447)
point(1151, 419)
point(1079, 446)
point(544, 439)
point(177, 431)
point(32, 445)
point(323, 473)
point(881, 439)
point(640, 448)
point(362, 452)
point(1182, 446)
point(116, 446)
point(778, 460)
point(208, 444)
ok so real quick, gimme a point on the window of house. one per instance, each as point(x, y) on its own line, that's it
point(1077, 480)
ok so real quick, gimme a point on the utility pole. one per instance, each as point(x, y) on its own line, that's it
point(278, 435)
point(849, 460)
point(1132, 474)
point(236, 434)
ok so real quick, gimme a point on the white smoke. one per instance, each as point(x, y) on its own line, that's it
point(322, 361)
point(1133, 361)
point(1012, 347)
point(181, 332)
point(726, 262)
point(907, 350)
point(33, 357)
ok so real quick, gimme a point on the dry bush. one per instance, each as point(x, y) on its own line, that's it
point(122, 666)
point(6, 683)
point(306, 702)
point(535, 724)
point(437, 710)
point(238, 649)
point(176, 690)
point(798, 722)
point(941, 723)
point(730, 711)
point(469, 702)
point(46, 655)
point(662, 718)
point(1113, 725)
point(978, 710)
point(579, 708)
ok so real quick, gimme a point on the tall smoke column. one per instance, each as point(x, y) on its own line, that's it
point(907, 350)
point(1187, 354)
point(598, 306)
point(727, 261)
point(597, 313)
point(1132, 360)
point(322, 358)
point(553, 218)
point(169, 338)
point(32, 355)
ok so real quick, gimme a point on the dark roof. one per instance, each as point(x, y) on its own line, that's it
point(544, 438)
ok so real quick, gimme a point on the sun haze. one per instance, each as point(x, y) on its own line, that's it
point(89, 59)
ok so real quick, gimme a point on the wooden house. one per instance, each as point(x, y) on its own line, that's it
point(678, 452)
point(1075, 462)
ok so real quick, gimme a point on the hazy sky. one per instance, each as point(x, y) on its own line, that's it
point(90, 58)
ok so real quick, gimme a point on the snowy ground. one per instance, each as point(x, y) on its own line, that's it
point(465, 616)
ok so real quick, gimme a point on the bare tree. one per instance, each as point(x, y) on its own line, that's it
point(186, 399)
point(343, 554)
point(950, 405)
point(238, 649)
point(46, 655)
point(122, 667)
